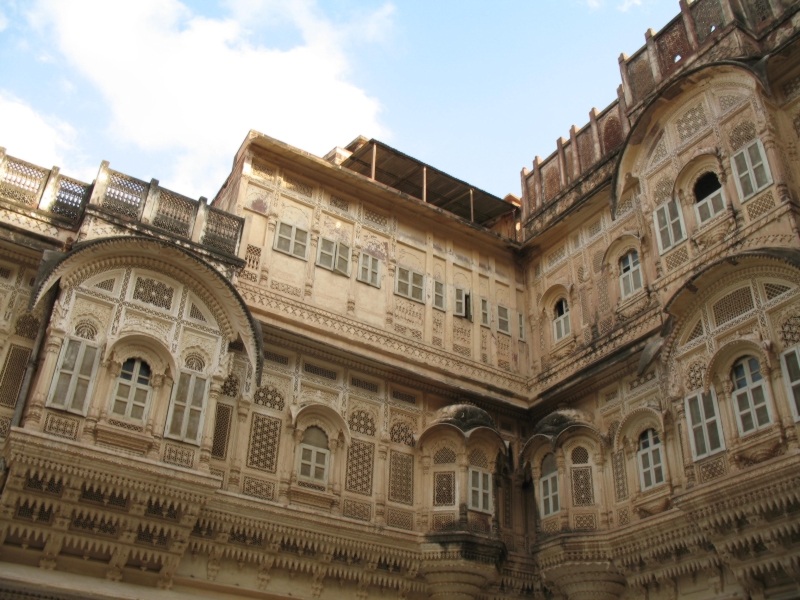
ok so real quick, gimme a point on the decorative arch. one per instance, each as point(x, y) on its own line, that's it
point(87, 259)
point(702, 161)
point(624, 243)
point(324, 417)
point(196, 358)
point(553, 294)
point(722, 361)
point(636, 422)
point(149, 350)
point(535, 450)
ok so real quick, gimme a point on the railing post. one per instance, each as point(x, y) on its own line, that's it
point(49, 192)
point(150, 202)
point(100, 185)
point(200, 218)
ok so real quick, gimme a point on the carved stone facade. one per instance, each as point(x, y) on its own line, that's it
point(330, 384)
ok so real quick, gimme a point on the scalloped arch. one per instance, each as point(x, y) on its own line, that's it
point(148, 349)
point(324, 417)
point(637, 421)
point(727, 354)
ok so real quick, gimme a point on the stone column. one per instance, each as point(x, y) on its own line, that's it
point(208, 424)
point(686, 454)
point(46, 374)
point(380, 481)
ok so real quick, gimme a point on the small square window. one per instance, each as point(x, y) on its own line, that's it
point(334, 256)
point(369, 270)
point(410, 284)
point(503, 320)
point(291, 240)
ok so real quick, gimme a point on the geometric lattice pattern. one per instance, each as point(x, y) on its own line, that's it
point(712, 469)
point(13, 374)
point(360, 511)
point(443, 521)
point(362, 422)
point(401, 433)
point(584, 523)
point(360, 462)
point(270, 397)
point(444, 488)
point(582, 488)
point(774, 290)
point(696, 332)
point(763, 204)
point(230, 387)
point(743, 133)
point(580, 456)
point(677, 258)
point(178, 455)
point(401, 478)
point(264, 437)
point(258, 488)
point(623, 516)
point(734, 304)
point(690, 123)
point(222, 425)
point(153, 292)
point(620, 476)
point(27, 326)
point(61, 426)
point(706, 14)
point(401, 519)
point(672, 45)
point(477, 458)
point(444, 456)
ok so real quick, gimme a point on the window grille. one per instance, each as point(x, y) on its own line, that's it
point(404, 396)
point(262, 452)
point(401, 433)
point(444, 456)
point(444, 488)
point(153, 292)
point(363, 384)
point(276, 358)
point(13, 374)
point(360, 464)
point(222, 426)
point(269, 396)
point(580, 456)
point(320, 371)
point(582, 486)
point(733, 305)
point(401, 478)
point(362, 422)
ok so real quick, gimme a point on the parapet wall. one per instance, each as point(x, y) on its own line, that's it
point(705, 31)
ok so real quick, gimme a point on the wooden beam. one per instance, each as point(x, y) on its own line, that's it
point(424, 184)
point(471, 205)
point(374, 160)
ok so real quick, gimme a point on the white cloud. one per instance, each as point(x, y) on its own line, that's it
point(33, 137)
point(192, 86)
point(627, 4)
point(3, 22)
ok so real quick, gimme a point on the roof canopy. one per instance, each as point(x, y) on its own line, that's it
point(415, 178)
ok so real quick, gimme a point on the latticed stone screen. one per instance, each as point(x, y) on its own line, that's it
point(320, 371)
point(264, 438)
point(178, 455)
point(444, 456)
point(673, 45)
point(258, 488)
point(444, 488)
point(353, 509)
point(582, 488)
point(620, 476)
point(741, 134)
point(585, 523)
point(401, 519)
point(404, 396)
point(691, 122)
point(153, 292)
point(580, 456)
point(774, 290)
point(733, 305)
point(712, 469)
point(222, 427)
point(761, 205)
point(12, 375)
point(443, 521)
point(360, 465)
point(401, 478)
point(27, 326)
point(363, 384)
point(401, 433)
point(362, 422)
point(124, 195)
point(276, 358)
point(64, 427)
point(175, 213)
point(697, 332)
point(269, 396)
point(677, 258)
point(477, 458)
point(708, 18)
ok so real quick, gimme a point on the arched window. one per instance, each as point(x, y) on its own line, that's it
point(749, 395)
point(549, 486)
point(132, 391)
point(651, 470)
point(312, 462)
point(561, 320)
point(630, 274)
point(709, 197)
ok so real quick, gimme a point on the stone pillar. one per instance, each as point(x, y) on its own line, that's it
point(380, 482)
point(585, 580)
point(208, 424)
point(46, 374)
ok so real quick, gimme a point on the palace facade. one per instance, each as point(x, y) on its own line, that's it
point(357, 376)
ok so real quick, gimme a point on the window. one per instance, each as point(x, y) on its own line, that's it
point(132, 391)
point(651, 471)
point(409, 284)
point(521, 323)
point(503, 320)
point(291, 240)
point(709, 197)
point(669, 223)
point(438, 295)
point(752, 169)
point(630, 274)
point(369, 271)
point(486, 313)
point(791, 369)
point(480, 490)
point(549, 486)
point(749, 395)
point(561, 320)
point(73, 382)
point(703, 416)
point(187, 408)
point(312, 463)
point(461, 301)
point(334, 256)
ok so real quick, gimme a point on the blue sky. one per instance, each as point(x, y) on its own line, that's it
point(168, 89)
